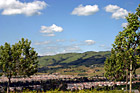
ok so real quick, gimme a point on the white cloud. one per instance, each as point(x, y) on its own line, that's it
point(52, 47)
point(49, 42)
point(42, 43)
point(111, 8)
point(47, 53)
point(50, 30)
point(120, 13)
point(116, 11)
point(13, 7)
point(105, 47)
point(58, 49)
point(50, 35)
point(71, 49)
point(60, 40)
point(124, 25)
point(73, 40)
point(85, 10)
point(90, 42)
point(102, 45)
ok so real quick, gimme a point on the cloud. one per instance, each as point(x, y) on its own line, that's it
point(116, 11)
point(72, 40)
point(111, 8)
point(59, 46)
point(59, 49)
point(90, 42)
point(47, 53)
point(49, 42)
point(60, 40)
point(49, 35)
point(71, 48)
point(120, 13)
point(14, 7)
point(42, 43)
point(85, 10)
point(105, 47)
point(124, 25)
point(102, 45)
point(50, 30)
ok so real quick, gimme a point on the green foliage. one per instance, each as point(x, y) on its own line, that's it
point(87, 58)
point(19, 59)
point(114, 66)
point(7, 58)
point(28, 63)
point(81, 91)
point(70, 63)
point(126, 48)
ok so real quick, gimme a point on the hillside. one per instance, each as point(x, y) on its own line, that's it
point(87, 59)
point(70, 63)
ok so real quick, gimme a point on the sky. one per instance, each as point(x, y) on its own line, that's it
point(64, 26)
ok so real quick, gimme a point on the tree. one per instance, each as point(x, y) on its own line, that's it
point(113, 67)
point(127, 43)
point(7, 64)
point(19, 59)
point(116, 67)
point(27, 63)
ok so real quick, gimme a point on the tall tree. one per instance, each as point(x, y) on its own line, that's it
point(127, 43)
point(28, 63)
point(114, 67)
point(120, 64)
point(124, 55)
point(7, 62)
point(19, 59)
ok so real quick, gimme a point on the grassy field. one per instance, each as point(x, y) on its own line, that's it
point(81, 91)
point(81, 71)
point(72, 62)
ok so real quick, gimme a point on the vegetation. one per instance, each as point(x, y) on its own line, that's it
point(74, 63)
point(126, 49)
point(21, 60)
point(87, 58)
point(114, 67)
point(90, 64)
point(18, 60)
point(81, 91)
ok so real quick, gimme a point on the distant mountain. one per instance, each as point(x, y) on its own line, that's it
point(64, 61)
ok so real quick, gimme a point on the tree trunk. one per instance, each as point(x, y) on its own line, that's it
point(130, 90)
point(114, 86)
point(126, 79)
point(8, 87)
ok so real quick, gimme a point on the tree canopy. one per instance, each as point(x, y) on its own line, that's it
point(127, 45)
point(19, 59)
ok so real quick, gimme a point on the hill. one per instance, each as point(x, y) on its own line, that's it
point(73, 63)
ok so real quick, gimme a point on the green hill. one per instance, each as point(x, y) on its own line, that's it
point(70, 63)
point(87, 59)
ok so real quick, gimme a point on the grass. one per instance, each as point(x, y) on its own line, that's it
point(81, 71)
point(81, 91)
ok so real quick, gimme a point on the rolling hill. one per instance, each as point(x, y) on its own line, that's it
point(73, 63)
point(87, 59)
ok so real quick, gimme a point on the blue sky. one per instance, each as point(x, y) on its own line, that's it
point(63, 26)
